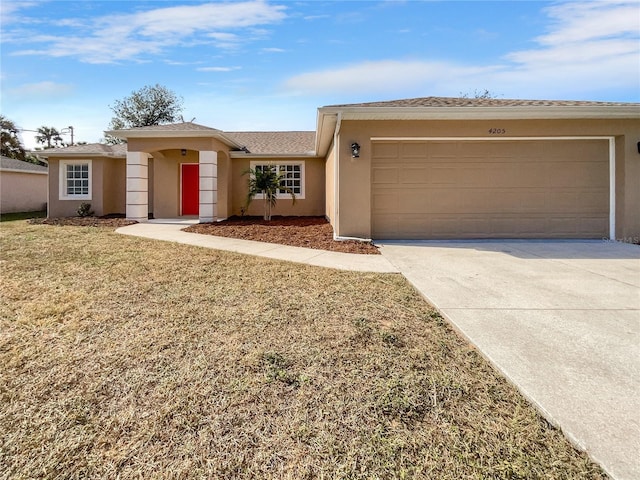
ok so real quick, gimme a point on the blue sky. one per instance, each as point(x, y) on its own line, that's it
point(268, 65)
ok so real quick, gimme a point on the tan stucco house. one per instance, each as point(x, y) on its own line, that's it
point(23, 186)
point(424, 168)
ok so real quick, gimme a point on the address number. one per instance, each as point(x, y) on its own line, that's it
point(497, 131)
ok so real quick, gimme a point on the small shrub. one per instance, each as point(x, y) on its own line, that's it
point(84, 210)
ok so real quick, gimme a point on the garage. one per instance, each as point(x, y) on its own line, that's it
point(486, 188)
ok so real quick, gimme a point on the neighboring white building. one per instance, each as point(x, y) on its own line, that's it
point(23, 186)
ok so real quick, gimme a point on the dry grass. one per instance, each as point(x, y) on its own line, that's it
point(129, 358)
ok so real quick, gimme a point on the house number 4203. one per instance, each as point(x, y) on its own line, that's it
point(497, 131)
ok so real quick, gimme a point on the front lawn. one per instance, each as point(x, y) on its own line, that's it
point(122, 357)
point(10, 217)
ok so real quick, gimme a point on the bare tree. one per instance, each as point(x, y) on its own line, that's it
point(479, 94)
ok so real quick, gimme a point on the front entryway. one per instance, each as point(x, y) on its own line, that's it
point(189, 189)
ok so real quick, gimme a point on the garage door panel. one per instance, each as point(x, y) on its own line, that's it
point(442, 175)
point(531, 200)
point(385, 202)
point(411, 175)
point(594, 201)
point(386, 176)
point(593, 226)
point(562, 202)
point(385, 150)
point(491, 189)
point(413, 150)
point(532, 226)
point(578, 174)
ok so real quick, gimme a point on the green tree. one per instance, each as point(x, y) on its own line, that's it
point(49, 136)
point(266, 180)
point(151, 105)
point(11, 144)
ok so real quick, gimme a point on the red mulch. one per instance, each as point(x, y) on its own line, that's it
point(309, 232)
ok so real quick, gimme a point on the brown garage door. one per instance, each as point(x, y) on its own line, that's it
point(490, 189)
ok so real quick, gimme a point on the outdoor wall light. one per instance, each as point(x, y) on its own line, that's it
point(183, 152)
point(355, 150)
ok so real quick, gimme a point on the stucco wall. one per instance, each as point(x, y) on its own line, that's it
point(68, 208)
point(166, 181)
point(22, 191)
point(114, 186)
point(151, 145)
point(312, 204)
point(354, 189)
point(329, 174)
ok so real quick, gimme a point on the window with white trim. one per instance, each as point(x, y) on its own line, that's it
point(292, 173)
point(75, 179)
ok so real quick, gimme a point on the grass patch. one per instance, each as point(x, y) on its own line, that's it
point(122, 357)
point(11, 217)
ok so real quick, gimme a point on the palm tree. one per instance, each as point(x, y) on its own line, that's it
point(49, 135)
point(266, 180)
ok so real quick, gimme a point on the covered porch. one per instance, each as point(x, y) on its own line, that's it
point(152, 192)
point(178, 170)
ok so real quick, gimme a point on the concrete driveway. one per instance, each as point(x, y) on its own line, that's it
point(560, 319)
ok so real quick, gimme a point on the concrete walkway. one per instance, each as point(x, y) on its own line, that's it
point(171, 231)
point(560, 319)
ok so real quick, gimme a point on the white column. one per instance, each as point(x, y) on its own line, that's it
point(208, 186)
point(138, 186)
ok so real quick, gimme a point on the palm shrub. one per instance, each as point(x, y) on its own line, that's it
point(266, 180)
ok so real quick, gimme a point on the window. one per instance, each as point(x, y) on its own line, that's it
point(293, 177)
point(75, 180)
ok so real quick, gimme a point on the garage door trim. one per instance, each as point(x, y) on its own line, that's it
point(612, 159)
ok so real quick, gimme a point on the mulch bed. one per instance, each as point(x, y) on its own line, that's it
point(106, 221)
point(309, 232)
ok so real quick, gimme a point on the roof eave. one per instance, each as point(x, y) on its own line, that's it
point(241, 154)
point(326, 123)
point(128, 134)
point(327, 116)
point(81, 155)
point(483, 113)
point(17, 170)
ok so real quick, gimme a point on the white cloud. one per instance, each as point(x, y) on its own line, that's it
point(316, 17)
point(116, 38)
point(589, 46)
point(41, 90)
point(217, 69)
point(9, 9)
point(382, 76)
point(273, 50)
point(580, 21)
point(224, 36)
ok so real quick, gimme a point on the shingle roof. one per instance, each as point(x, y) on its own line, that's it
point(118, 150)
point(283, 143)
point(7, 163)
point(286, 143)
point(481, 102)
point(175, 127)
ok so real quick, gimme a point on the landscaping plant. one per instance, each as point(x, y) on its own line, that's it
point(266, 180)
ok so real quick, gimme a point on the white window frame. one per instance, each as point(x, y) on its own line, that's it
point(254, 163)
point(63, 195)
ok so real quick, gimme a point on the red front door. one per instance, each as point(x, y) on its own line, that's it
point(190, 188)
